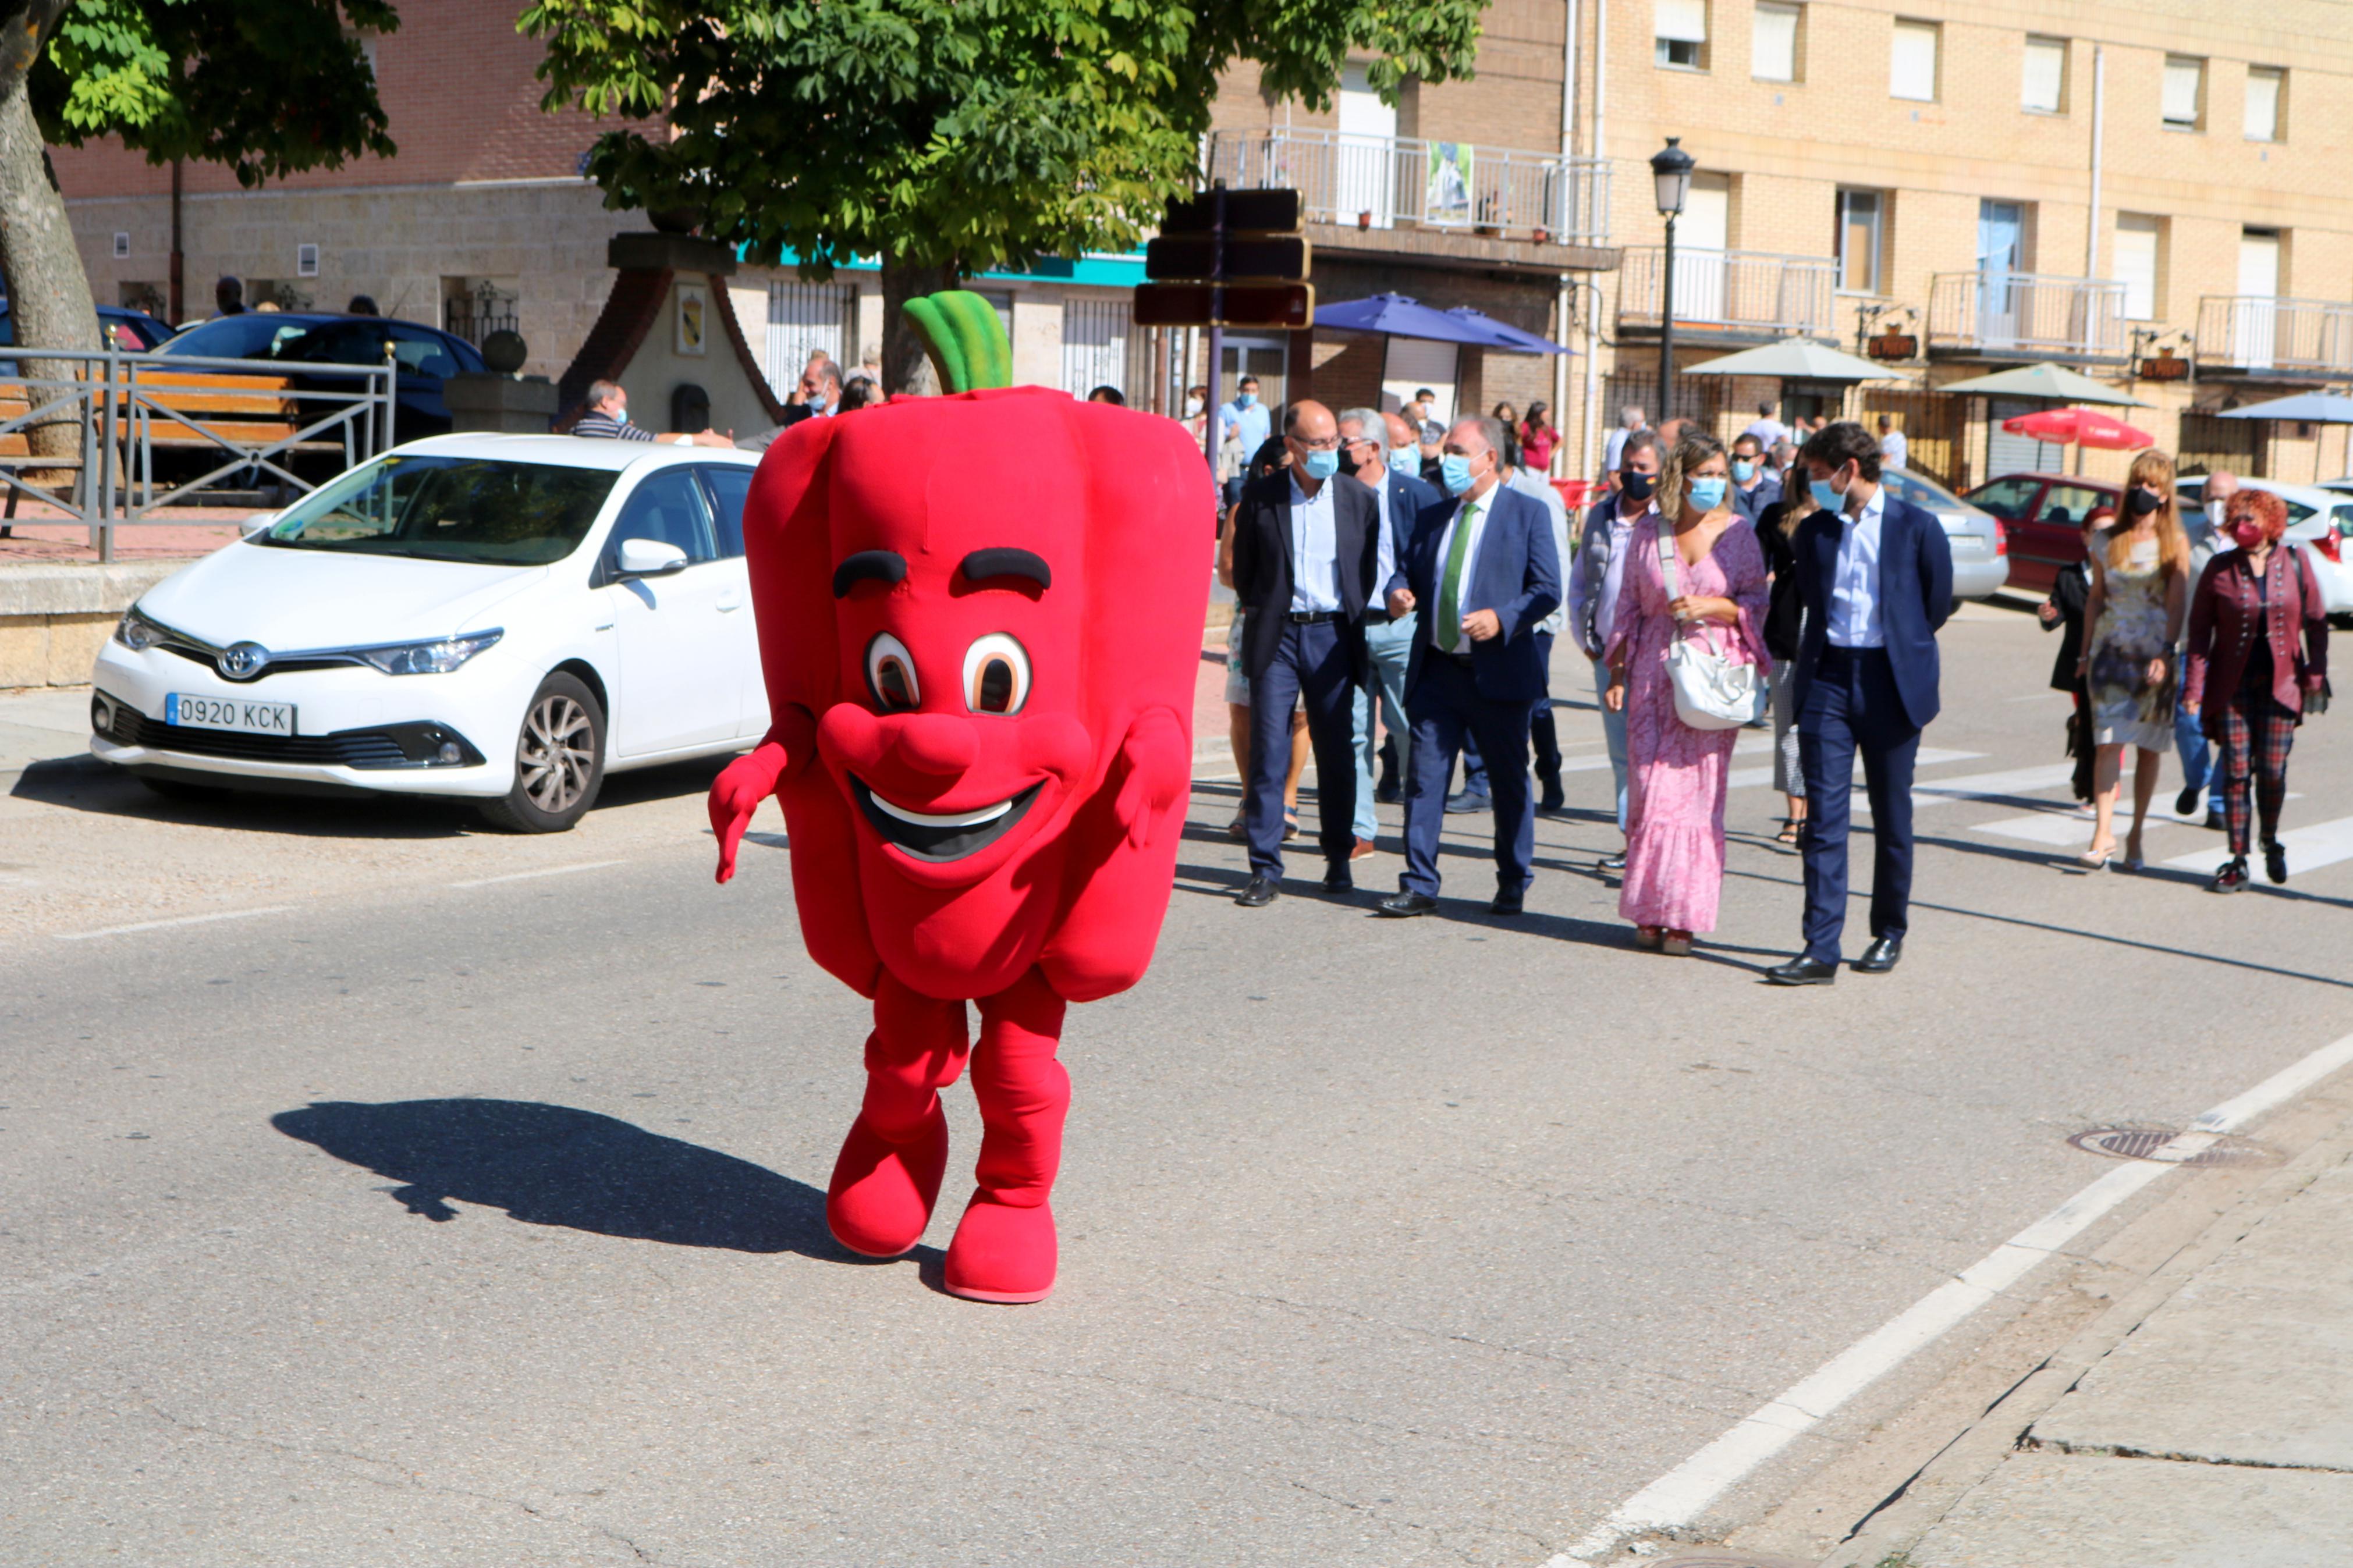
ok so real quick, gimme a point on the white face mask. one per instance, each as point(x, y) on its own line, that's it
point(2214, 512)
point(1192, 406)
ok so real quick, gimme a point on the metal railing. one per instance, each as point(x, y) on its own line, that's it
point(1390, 181)
point(2027, 313)
point(126, 411)
point(1734, 292)
point(2250, 331)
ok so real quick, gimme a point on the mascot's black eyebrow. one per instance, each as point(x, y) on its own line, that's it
point(886, 566)
point(982, 564)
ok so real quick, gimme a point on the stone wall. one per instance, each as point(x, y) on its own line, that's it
point(54, 618)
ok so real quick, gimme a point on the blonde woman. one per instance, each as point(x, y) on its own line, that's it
point(2132, 621)
point(1676, 776)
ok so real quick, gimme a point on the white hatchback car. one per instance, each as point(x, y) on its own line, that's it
point(504, 618)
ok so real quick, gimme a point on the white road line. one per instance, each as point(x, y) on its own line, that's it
point(2308, 848)
point(2071, 829)
point(179, 921)
point(1678, 1498)
point(1977, 786)
point(547, 871)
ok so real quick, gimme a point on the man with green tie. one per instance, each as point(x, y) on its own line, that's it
point(1485, 561)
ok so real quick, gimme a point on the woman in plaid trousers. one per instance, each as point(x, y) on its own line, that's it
point(2249, 680)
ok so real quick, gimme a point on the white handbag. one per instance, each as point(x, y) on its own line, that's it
point(1712, 690)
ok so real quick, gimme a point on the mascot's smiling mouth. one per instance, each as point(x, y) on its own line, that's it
point(937, 837)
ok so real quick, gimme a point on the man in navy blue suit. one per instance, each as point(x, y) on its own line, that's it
point(1875, 579)
point(1367, 438)
point(1483, 571)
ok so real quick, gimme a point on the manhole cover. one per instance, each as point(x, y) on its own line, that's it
point(2168, 1147)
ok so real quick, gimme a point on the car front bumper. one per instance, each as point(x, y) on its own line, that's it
point(355, 727)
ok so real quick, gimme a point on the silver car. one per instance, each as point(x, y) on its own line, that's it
point(1981, 550)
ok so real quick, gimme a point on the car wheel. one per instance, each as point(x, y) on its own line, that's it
point(559, 760)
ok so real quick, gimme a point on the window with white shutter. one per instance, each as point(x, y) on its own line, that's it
point(2185, 92)
point(1912, 61)
point(1681, 31)
point(2043, 90)
point(2137, 240)
point(2266, 87)
point(1773, 56)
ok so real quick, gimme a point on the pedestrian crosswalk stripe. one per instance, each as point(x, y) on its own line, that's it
point(2308, 848)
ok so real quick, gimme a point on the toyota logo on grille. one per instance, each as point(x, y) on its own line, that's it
point(244, 661)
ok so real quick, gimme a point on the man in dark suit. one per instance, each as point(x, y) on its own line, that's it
point(1309, 552)
point(1484, 570)
point(1875, 579)
point(1366, 436)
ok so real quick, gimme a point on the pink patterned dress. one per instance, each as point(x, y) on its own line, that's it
point(1675, 776)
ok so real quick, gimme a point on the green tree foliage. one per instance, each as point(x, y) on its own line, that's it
point(944, 137)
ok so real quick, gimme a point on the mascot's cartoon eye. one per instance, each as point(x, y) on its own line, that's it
point(891, 671)
point(996, 675)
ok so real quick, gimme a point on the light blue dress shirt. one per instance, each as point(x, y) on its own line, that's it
point(1246, 427)
point(1854, 582)
point(1314, 550)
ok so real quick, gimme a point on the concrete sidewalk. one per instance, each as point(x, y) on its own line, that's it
point(2210, 1421)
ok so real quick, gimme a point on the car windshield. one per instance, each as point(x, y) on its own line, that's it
point(449, 509)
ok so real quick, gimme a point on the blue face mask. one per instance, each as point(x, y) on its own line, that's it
point(1824, 497)
point(1244, 399)
point(1320, 466)
point(1406, 460)
point(1707, 494)
point(1742, 469)
point(1455, 473)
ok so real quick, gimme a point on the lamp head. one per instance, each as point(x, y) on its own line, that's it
point(1670, 169)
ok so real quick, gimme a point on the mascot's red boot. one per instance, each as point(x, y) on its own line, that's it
point(980, 620)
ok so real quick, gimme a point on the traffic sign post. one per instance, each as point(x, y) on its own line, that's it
point(1227, 259)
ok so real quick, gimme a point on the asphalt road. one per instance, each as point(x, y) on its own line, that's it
point(424, 1222)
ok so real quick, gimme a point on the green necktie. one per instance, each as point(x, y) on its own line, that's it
point(1450, 596)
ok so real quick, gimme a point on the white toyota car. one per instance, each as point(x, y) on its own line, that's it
point(504, 618)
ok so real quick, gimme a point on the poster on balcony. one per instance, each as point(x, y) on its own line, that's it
point(1446, 194)
point(693, 317)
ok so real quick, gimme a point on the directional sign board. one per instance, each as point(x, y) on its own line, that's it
point(1267, 212)
point(1228, 258)
point(1289, 306)
point(1202, 256)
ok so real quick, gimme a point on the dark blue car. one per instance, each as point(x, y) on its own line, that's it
point(133, 331)
point(426, 354)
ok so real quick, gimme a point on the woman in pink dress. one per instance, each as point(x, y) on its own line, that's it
point(1676, 774)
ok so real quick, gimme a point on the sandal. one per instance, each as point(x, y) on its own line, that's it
point(1289, 826)
point(1237, 828)
point(1647, 937)
point(1676, 944)
point(1791, 828)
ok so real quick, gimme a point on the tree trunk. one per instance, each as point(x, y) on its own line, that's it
point(49, 293)
point(905, 366)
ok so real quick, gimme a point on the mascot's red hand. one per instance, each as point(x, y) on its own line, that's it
point(737, 792)
point(1155, 766)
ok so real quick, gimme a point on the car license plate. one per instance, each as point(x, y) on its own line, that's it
point(229, 713)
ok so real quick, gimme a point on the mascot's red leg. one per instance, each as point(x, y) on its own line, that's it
point(888, 1175)
point(1004, 1248)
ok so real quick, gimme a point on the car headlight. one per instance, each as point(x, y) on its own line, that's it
point(438, 657)
point(136, 632)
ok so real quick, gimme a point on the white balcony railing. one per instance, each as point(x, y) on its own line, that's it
point(1387, 181)
point(2249, 331)
point(2027, 313)
point(1732, 292)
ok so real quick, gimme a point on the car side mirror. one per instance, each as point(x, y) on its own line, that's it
point(260, 523)
point(650, 558)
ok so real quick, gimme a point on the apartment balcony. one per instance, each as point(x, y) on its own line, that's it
point(1730, 296)
point(2252, 336)
point(2027, 316)
point(1400, 193)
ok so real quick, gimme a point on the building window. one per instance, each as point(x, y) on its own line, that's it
point(1682, 34)
point(1912, 61)
point(2185, 92)
point(1861, 220)
point(1773, 56)
point(474, 308)
point(2266, 97)
point(306, 261)
point(806, 320)
point(2139, 259)
point(2044, 88)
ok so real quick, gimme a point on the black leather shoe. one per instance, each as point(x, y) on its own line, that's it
point(2187, 801)
point(1803, 971)
point(1260, 892)
point(1554, 797)
point(1388, 794)
point(1462, 803)
point(1508, 901)
point(2275, 859)
point(1881, 956)
point(1611, 863)
point(1403, 906)
point(1338, 880)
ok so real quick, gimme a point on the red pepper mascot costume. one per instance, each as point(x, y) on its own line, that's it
point(980, 622)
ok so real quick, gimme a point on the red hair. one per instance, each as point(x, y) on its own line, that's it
point(2266, 508)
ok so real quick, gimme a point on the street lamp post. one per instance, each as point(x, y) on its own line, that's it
point(1671, 168)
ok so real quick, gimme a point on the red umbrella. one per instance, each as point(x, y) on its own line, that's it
point(2079, 427)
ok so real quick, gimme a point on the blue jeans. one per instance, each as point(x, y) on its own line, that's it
point(1389, 647)
point(2197, 770)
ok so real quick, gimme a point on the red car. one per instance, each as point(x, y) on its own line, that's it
point(2044, 515)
